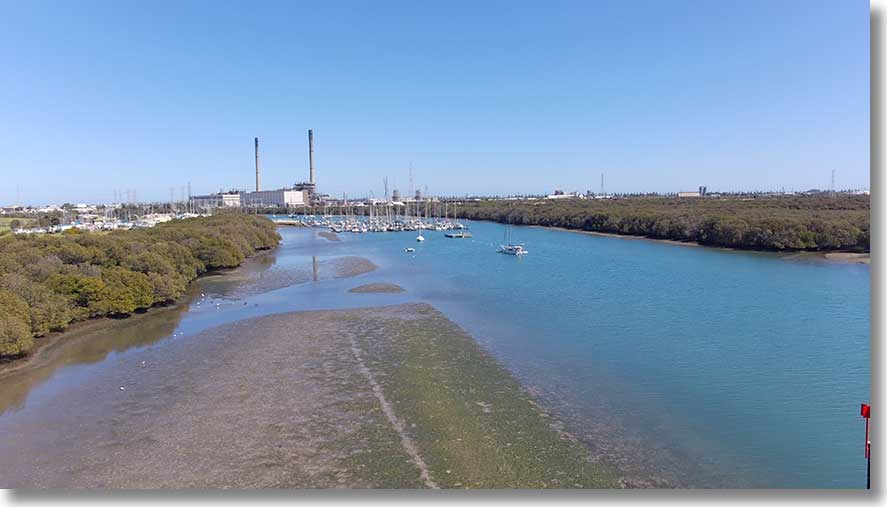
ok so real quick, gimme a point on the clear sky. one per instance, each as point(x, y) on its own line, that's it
point(480, 96)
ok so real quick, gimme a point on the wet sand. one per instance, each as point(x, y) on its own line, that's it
point(249, 281)
point(392, 397)
point(377, 288)
point(345, 267)
point(856, 258)
point(331, 236)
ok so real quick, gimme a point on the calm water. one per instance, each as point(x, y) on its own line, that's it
point(695, 366)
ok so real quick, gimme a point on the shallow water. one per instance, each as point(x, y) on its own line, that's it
point(683, 366)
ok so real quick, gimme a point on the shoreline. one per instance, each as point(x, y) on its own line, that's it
point(44, 344)
point(836, 256)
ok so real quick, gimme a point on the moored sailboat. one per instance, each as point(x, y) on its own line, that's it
point(510, 248)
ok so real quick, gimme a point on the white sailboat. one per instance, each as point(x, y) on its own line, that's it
point(419, 224)
point(510, 248)
point(456, 225)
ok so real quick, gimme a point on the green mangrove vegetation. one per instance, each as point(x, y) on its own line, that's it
point(50, 281)
point(819, 222)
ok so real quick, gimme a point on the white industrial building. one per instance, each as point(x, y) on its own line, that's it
point(283, 197)
point(216, 200)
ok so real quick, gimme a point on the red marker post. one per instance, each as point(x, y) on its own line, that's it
point(866, 412)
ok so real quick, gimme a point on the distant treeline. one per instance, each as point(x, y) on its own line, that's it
point(49, 281)
point(785, 223)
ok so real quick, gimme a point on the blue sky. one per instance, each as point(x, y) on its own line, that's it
point(481, 97)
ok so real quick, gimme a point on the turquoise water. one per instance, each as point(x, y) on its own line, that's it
point(683, 366)
point(710, 367)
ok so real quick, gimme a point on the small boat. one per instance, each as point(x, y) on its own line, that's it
point(420, 238)
point(460, 234)
point(512, 249)
point(409, 250)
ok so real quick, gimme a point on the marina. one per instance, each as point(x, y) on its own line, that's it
point(382, 216)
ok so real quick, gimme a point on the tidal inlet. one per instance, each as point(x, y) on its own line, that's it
point(351, 363)
point(509, 247)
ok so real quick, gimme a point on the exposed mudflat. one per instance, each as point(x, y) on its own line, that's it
point(346, 267)
point(252, 279)
point(392, 397)
point(378, 288)
point(331, 236)
point(859, 258)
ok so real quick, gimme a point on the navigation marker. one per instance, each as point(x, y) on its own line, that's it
point(866, 412)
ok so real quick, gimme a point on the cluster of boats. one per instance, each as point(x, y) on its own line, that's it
point(356, 225)
point(385, 217)
point(353, 224)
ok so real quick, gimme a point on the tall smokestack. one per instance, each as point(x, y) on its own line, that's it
point(258, 185)
point(311, 178)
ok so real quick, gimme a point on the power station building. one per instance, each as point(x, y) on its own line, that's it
point(301, 194)
point(220, 200)
point(283, 197)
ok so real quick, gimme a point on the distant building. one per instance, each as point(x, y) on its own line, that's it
point(229, 199)
point(563, 196)
point(689, 194)
point(284, 197)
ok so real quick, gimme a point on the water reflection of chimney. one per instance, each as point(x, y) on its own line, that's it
point(314, 261)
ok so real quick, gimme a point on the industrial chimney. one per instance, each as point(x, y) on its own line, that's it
point(258, 185)
point(311, 178)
